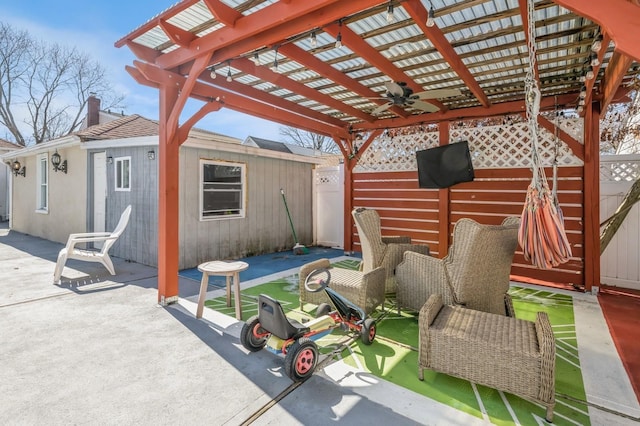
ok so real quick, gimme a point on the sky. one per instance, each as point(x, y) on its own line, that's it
point(93, 27)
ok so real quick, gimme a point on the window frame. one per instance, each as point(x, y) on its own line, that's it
point(243, 191)
point(119, 173)
point(42, 183)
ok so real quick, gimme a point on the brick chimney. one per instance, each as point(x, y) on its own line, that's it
point(93, 110)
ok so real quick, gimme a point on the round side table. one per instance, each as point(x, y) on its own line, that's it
point(230, 270)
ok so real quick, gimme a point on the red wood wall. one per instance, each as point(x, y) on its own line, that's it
point(428, 215)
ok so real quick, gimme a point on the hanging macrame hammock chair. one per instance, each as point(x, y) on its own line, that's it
point(542, 236)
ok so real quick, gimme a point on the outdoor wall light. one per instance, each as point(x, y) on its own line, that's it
point(57, 165)
point(109, 160)
point(151, 155)
point(19, 169)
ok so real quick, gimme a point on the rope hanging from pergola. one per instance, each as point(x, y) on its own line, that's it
point(541, 235)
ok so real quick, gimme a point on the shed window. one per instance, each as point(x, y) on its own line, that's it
point(42, 179)
point(223, 187)
point(123, 173)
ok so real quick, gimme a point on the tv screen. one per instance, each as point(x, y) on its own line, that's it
point(444, 166)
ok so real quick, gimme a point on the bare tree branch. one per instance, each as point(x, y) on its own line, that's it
point(47, 86)
point(309, 140)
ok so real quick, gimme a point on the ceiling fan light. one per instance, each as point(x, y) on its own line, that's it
point(431, 18)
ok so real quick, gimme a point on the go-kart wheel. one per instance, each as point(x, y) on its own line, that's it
point(368, 331)
point(301, 359)
point(248, 338)
point(323, 309)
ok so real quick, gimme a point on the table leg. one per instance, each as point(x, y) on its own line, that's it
point(228, 290)
point(236, 294)
point(203, 293)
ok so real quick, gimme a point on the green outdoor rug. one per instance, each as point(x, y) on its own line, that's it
point(393, 356)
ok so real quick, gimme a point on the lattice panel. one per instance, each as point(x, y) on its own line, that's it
point(496, 146)
point(328, 177)
point(508, 146)
point(619, 171)
point(389, 153)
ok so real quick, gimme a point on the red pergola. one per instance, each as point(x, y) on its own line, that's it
point(476, 46)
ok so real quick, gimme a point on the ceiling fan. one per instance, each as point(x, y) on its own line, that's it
point(399, 94)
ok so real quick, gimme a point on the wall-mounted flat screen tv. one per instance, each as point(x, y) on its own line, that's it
point(444, 166)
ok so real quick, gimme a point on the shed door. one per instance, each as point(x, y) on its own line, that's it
point(99, 192)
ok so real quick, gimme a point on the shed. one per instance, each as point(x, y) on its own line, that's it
point(231, 205)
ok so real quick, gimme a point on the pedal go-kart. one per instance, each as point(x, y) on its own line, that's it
point(295, 340)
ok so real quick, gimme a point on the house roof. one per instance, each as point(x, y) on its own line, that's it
point(9, 145)
point(279, 146)
point(129, 126)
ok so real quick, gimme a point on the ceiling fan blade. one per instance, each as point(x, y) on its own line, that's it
point(394, 88)
point(382, 108)
point(423, 106)
point(438, 93)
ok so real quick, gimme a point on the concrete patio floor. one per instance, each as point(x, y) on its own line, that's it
point(98, 349)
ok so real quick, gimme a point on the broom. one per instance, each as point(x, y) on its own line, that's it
point(297, 248)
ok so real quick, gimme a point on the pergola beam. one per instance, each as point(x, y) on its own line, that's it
point(367, 52)
point(263, 28)
point(618, 66)
point(269, 99)
point(265, 74)
point(514, 107)
point(176, 34)
point(307, 59)
point(223, 13)
point(619, 18)
point(440, 42)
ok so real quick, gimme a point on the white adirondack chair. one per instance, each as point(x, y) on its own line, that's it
point(108, 238)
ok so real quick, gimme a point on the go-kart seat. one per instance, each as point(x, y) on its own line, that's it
point(272, 319)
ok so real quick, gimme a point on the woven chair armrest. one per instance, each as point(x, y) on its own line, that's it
point(508, 306)
point(511, 221)
point(547, 346)
point(396, 239)
point(430, 309)
point(395, 252)
point(308, 268)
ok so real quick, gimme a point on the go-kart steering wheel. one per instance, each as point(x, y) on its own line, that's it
point(317, 280)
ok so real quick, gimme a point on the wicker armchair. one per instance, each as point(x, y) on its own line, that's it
point(381, 251)
point(475, 273)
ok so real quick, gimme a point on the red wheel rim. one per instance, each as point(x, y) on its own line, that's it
point(304, 362)
point(372, 333)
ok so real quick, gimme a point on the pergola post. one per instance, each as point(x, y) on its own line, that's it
point(591, 203)
point(443, 200)
point(168, 197)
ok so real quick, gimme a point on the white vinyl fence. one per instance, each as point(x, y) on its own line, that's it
point(620, 262)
